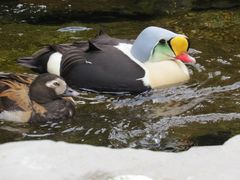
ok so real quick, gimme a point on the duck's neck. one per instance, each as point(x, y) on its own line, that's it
point(160, 53)
point(159, 58)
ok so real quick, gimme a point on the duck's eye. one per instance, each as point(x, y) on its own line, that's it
point(56, 84)
point(162, 41)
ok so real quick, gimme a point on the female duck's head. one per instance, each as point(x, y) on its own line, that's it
point(156, 44)
point(49, 87)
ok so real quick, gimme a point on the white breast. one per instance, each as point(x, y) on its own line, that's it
point(166, 73)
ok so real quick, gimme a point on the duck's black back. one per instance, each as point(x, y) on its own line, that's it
point(104, 68)
point(95, 65)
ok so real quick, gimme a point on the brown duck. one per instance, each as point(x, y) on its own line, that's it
point(30, 98)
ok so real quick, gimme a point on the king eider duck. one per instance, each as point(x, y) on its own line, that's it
point(105, 64)
point(27, 98)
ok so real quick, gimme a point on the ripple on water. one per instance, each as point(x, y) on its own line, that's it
point(142, 121)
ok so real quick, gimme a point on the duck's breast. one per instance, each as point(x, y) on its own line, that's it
point(166, 73)
point(57, 110)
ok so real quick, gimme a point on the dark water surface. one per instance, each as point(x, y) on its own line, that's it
point(204, 111)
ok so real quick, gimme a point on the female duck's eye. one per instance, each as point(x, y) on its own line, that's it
point(56, 84)
point(162, 41)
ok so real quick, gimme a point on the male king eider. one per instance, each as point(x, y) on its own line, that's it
point(27, 98)
point(155, 59)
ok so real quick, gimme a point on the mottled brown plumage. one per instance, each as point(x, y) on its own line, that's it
point(21, 101)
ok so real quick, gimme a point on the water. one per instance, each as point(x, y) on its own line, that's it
point(204, 111)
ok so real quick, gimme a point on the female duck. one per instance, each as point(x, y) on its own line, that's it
point(27, 98)
point(156, 59)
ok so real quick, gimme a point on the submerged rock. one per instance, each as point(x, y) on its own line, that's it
point(59, 160)
point(73, 29)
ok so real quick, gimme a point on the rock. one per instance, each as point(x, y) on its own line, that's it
point(46, 11)
point(44, 159)
point(130, 177)
point(209, 4)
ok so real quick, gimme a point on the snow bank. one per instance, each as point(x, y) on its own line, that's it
point(41, 160)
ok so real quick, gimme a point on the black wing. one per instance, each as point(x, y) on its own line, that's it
point(102, 68)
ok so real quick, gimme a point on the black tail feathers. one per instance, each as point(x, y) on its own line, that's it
point(27, 62)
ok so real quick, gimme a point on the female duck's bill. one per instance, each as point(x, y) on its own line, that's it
point(105, 64)
point(27, 98)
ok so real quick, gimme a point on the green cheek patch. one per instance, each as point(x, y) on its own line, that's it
point(161, 52)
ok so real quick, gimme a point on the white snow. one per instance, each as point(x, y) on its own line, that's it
point(44, 159)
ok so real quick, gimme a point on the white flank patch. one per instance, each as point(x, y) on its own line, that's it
point(15, 116)
point(88, 62)
point(54, 62)
point(126, 49)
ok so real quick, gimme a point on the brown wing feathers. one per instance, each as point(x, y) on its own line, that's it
point(14, 90)
point(17, 92)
